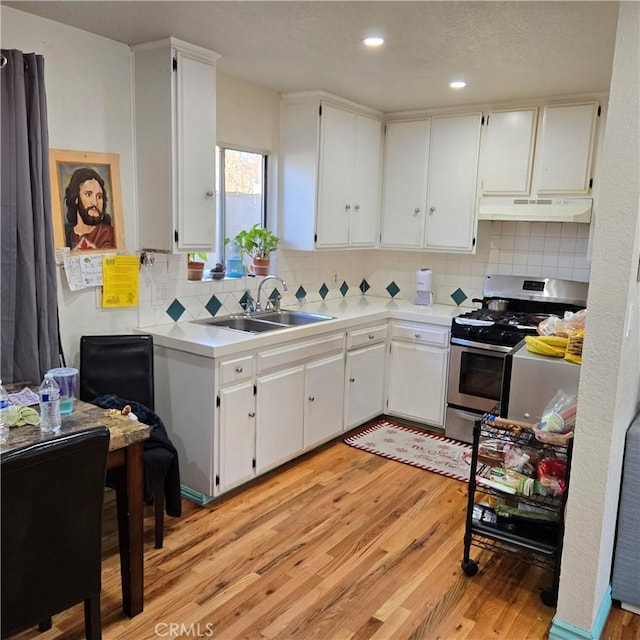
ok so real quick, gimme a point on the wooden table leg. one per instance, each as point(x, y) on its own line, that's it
point(129, 500)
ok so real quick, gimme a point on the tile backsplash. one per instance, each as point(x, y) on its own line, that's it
point(536, 249)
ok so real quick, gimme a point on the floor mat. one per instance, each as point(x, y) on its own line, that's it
point(420, 449)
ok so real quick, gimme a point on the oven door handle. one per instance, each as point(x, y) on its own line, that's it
point(480, 345)
point(466, 415)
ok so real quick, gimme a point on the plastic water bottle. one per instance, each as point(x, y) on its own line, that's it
point(4, 407)
point(49, 404)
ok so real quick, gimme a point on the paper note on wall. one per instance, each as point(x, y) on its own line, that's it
point(83, 271)
point(120, 281)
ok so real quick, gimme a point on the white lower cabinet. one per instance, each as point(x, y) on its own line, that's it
point(300, 397)
point(237, 435)
point(418, 372)
point(279, 417)
point(365, 370)
point(323, 400)
point(234, 418)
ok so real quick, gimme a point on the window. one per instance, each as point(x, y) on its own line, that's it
point(241, 194)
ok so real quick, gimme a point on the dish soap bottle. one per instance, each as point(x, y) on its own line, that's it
point(49, 393)
point(235, 265)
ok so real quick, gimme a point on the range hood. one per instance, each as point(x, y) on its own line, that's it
point(536, 209)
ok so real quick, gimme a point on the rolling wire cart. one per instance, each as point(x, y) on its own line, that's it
point(507, 528)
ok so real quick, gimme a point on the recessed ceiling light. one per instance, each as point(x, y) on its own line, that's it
point(373, 41)
point(458, 84)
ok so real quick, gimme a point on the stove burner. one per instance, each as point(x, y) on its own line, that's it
point(504, 328)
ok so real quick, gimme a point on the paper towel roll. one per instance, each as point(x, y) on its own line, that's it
point(424, 279)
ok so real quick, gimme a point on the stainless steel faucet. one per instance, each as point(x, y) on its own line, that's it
point(270, 277)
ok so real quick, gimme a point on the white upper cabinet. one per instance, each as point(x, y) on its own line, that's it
point(405, 183)
point(453, 173)
point(565, 148)
point(507, 151)
point(539, 152)
point(175, 122)
point(330, 159)
point(430, 179)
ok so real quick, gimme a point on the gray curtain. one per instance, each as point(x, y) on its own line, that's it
point(28, 299)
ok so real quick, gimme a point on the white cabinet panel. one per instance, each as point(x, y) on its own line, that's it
point(365, 213)
point(237, 436)
point(337, 148)
point(507, 151)
point(323, 400)
point(567, 139)
point(365, 378)
point(405, 183)
point(453, 171)
point(175, 122)
point(279, 417)
point(195, 156)
point(417, 382)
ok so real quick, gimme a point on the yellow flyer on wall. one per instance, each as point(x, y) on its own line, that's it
point(120, 281)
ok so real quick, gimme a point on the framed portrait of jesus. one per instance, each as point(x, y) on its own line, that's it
point(86, 201)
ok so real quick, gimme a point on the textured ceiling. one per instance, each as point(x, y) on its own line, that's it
point(504, 50)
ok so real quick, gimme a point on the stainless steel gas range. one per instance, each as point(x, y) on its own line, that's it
point(481, 338)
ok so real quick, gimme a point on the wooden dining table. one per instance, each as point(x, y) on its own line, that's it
point(125, 455)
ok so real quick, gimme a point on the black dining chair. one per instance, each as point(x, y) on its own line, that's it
point(52, 498)
point(122, 366)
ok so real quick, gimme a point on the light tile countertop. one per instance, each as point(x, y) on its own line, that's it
point(215, 342)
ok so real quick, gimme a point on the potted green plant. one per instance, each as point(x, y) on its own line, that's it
point(258, 243)
point(195, 265)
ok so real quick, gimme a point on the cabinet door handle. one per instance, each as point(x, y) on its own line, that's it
point(371, 336)
point(312, 398)
point(347, 207)
point(432, 210)
point(416, 336)
point(252, 414)
point(352, 379)
point(357, 207)
point(239, 369)
point(209, 194)
point(416, 211)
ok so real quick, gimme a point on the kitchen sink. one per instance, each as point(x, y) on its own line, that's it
point(292, 318)
point(264, 321)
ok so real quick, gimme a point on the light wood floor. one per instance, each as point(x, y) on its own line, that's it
point(340, 545)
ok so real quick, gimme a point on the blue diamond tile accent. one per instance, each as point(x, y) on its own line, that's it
point(344, 287)
point(323, 291)
point(213, 306)
point(274, 295)
point(393, 289)
point(364, 286)
point(459, 296)
point(175, 310)
point(301, 293)
point(244, 301)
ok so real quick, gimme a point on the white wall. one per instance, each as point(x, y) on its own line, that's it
point(89, 107)
point(610, 380)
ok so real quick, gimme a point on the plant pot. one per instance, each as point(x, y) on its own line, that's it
point(195, 270)
point(261, 267)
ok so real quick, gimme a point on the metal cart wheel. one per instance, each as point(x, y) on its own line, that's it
point(470, 567)
point(549, 597)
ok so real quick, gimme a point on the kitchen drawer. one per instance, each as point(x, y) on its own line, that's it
point(420, 333)
point(237, 370)
point(366, 337)
point(277, 358)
